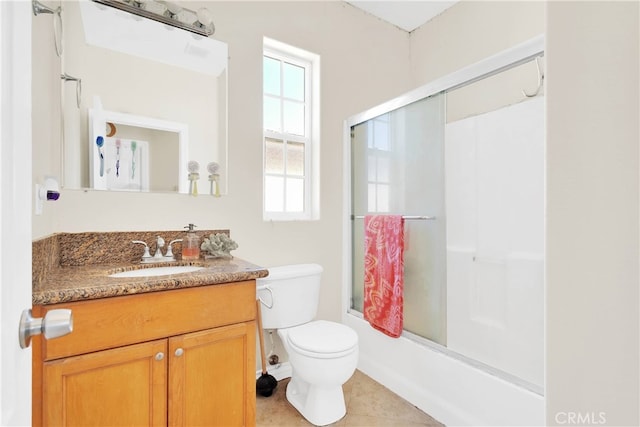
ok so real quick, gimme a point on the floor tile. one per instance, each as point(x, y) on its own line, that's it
point(368, 404)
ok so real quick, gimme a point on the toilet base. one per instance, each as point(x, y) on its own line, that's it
point(318, 405)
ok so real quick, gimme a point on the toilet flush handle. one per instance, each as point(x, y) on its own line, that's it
point(267, 288)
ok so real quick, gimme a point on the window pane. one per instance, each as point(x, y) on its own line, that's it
point(377, 197)
point(271, 113)
point(371, 168)
point(371, 198)
point(370, 134)
point(273, 194)
point(274, 156)
point(271, 76)
point(381, 135)
point(295, 158)
point(293, 77)
point(383, 169)
point(383, 198)
point(295, 195)
point(293, 117)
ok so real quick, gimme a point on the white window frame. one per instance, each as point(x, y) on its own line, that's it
point(310, 62)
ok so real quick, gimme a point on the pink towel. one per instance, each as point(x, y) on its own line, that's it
point(384, 272)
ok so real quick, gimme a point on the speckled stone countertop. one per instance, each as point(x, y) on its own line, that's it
point(76, 267)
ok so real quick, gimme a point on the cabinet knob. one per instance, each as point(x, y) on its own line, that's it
point(179, 352)
point(159, 356)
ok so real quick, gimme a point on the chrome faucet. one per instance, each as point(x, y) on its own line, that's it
point(157, 257)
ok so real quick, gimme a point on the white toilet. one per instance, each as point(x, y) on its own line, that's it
point(323, 354)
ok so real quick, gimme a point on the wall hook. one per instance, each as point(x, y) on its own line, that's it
point(540, 80)
point(39, 8)
point(67, 78)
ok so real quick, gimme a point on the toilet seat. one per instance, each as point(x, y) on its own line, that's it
point(322, 339)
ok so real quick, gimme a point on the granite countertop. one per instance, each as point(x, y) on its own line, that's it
point(76, 267)
point(80, 283)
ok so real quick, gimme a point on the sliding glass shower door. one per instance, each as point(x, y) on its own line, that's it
point(462, 158)
point(398, 168)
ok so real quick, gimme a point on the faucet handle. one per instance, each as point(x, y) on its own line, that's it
point(146, 254)
point(169, 253)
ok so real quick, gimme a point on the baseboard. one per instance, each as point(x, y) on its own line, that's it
point(279, 371)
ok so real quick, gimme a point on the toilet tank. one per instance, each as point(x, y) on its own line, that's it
point(292, 291)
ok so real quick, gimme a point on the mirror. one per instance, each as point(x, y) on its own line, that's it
point(155, 94)
point(134, 153)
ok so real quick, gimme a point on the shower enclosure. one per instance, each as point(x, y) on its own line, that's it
point(462, 159)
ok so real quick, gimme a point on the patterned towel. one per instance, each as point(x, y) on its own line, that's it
point(384, 272)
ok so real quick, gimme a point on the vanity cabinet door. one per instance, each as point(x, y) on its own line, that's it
point(121, 386)
point(212, 377)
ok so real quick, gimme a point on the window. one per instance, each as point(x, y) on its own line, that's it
point(290, 127)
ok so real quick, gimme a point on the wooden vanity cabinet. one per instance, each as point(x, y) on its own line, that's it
point(181, 357)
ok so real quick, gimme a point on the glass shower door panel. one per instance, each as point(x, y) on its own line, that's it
point(398, 168)
point(495, 237)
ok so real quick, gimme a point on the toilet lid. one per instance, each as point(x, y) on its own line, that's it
point(323, 337)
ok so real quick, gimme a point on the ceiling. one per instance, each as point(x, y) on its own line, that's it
point(404, 14)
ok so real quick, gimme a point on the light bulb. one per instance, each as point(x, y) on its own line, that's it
point(204, 16)
point(173, 7)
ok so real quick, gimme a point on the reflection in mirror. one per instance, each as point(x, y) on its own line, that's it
point(160, 85)
point(134, 153)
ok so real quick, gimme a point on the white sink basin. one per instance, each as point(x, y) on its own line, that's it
point(158, 271)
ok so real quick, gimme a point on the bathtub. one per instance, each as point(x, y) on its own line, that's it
point(451, 389)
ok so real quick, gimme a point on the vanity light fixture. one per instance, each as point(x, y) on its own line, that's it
point(170, 13)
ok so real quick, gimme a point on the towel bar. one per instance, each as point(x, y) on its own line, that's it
point(430, 218)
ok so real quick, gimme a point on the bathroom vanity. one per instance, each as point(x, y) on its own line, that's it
point(165, 350)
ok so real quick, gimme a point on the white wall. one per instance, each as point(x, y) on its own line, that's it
point(45, 90)
point(592, 213)
point(469, 32)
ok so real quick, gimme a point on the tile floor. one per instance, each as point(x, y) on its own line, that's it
point(368, 404)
